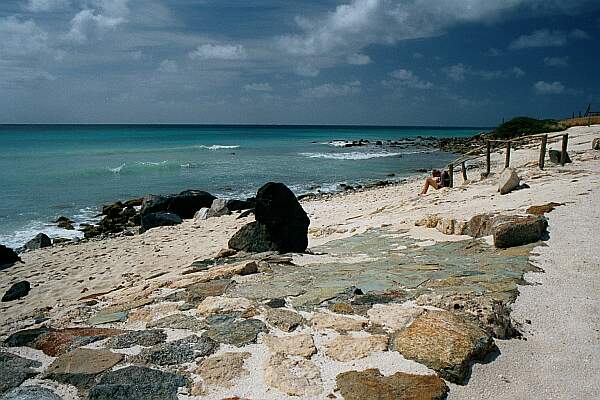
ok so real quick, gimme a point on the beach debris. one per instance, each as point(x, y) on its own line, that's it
point(184, 204)
point(301, 345)
point(284, 319)
point(294, 377)
point(154, 220)
point(445, 342)
point(543, 208)
point(236, 332)
point(17, 291)
point(8, 257)
point(281, 223)
point(371, 384)
point(508, 181)
point(146, 338)
point(556, 155)
point(224, 369)
point(40, 241)
point(178, 351)
point(346, 348)
point(520, 231)
point(31, 393)
point(81, 366)
point(15, 370)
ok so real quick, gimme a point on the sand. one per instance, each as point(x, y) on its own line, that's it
point(559, 359)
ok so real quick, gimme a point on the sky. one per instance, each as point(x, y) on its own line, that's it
point(378, 62)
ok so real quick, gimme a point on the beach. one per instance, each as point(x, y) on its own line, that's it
point(354, 238)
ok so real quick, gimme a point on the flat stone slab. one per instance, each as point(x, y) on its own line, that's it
point(221, 304)
point(298, 345)
point(57, 342)
point(284, 319)
point(347, 348)
point(340, 323)
point(107, 318)
point(445, 342)
point(393, 316)
point(179, 321)
point(236, 332)
point(30, 393)
point(15, 370)
point(372, 385)
point(196, 293)
point(137, 383)
point(145, 338)
point(80, 367)
point(293, 377)
point(224, 369)
point(178, 351)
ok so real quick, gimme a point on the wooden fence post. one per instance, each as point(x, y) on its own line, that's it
point(507, 160)
point(463, 169)
point(543, 151)
point(451, 173)
point(563, 153)
point(488, 163)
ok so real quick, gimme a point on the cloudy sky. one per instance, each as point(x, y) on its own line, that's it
point(402, 62)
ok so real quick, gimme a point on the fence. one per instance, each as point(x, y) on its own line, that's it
point(474, 154)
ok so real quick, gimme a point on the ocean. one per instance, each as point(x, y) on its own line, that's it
point(71, 170)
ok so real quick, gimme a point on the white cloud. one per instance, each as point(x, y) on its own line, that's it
point(332, 90)
point(556, 61)
point(493, 52)
point(168, 66)
point(547, 38)
point(458, 73)
point(404, 77)
point(258, 87)
point(21, 38)
point(91, 23)
point(358, 59)
point(218, 52)
point(542, 87)
point(306, 70)
point(46, 5)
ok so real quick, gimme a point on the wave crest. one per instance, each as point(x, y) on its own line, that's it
point(355, 155)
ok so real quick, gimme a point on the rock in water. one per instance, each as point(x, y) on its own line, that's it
point(371, 384)
point(7, 257)
point(17, 291)
point(520, 231)
point(184, 204)
point(555, 156)
point(40, 240)
point(154, 220)
point(508, 181)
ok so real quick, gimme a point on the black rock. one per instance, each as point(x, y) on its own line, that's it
point(154, 220)
point(555, 156)
point(25, 337)
point(62, 219)
point(178, 351)
point(39, 241)
point(253, 237)
point(184, 204)
point(521, 231)
point(146, 338)
point(236, 332)
point(15, 370)
point(112, 210)
point(238, 205)
point(7, 257)
point(31, 393)
point(275, 303)
point(17, 291)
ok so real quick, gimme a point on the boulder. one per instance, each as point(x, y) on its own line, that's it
point(40, 240)
point(596, 144)
point(80, 367)
point(508, 181)
point(239, 205)
point(555, 156)
point(31, 393)
point(223, 370)
point(154, 220)
point(184, 204)
point(253, 237)
point(112, 210)
point(15, 370)
point(64, 222)
point(219, 208)
point(7, 257)
point(17, 291)
point(346, 348)
point(520, 231)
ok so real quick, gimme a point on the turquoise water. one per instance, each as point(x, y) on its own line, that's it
point(48, 171)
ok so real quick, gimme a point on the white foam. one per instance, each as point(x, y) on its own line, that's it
point(216, 147)
point(354, 155)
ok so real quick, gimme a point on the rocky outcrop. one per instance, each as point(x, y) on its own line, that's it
point(17, 291)
point(555, 156)
point(293, 377)
point(520, 231)
point(371, 384)
point(155, 220)
point(40, 241)
point(508, 181)
point(8, 257)
point(281, 223)
point(184, 204)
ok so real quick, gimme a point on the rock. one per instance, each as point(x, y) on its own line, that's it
point(81, 366)
point(445, 342)
point(25, 337)
point(253, 237)
point(40, 241)
point(15, 370)
point(225, 253)
point(223, 370)
point(106, 318)
point(341, 308)
point(340, 323)
point(446, 226)
point(293, 377)
point(196, 293)
point(57, 342)
point(63, 219)
point(596, 144)
point(30, 393)
point(370, 384)
point(284, 319)
point(138, 383)
point(7, 257)
point(555, 156)
point(480, 225)
point(508, 181)
point(238, 333)
point(17, 291)
point(146, 338)
point(179, 321)
point(239, 205)
point(543, 208)
point(220, 305)
point(298, 345)
point(64, 222)
point(112, 210)
point(275, 303)
point(520, 231)
point(393, 316)
point(178, 351)
point(347, 348)
point(219, 208)
point(154, 220)
point(184, 204)
point(202, 214)
point(430, 221)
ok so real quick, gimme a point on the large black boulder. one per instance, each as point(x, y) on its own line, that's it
point(238, 205)
point(16, 291)
point(154, 220)
point(7, 257)
point(40, 240)
point(184, 204)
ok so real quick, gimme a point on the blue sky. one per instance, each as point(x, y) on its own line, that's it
point(384, 62)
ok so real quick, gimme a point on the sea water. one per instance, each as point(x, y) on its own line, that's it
point(71, 170)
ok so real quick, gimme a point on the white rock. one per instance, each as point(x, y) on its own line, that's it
point(393, 316)
point(347, 348)
point(340, 323)
point(508, 181)
point(201, 214)
point(219, 304)
point(297, 345)
point(293, 377)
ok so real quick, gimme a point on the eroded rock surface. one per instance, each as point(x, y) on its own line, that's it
point(236, 332)
point(224, 369)
point(293, 377)
point(284, 319)
point(393, 316)
point(347, 348)
point(145, 338)
point(81, 366)
point(15, 370)
point(30, 393)
point(178, 351)
point(340, 323)
point(298, 345)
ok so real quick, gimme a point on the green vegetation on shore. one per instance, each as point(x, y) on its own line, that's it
point(521, 126)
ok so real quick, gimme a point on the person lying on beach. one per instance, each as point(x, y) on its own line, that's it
point(437, 180)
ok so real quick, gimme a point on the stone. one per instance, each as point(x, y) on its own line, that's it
point(57, 342)
point(155, 220)
point(8, 257)
point(321, 321)
point(178, 321)
point(138, 383)
point(25, 337)
point(178, 351)
point(15, 370)
point(202, 214)
point(294, 377)
point(218, 272)
point(40, 241)
point(253, 237)
point(225, 253)
point(184, 204)
point(81, 366)
point(31, 393)
point(596, 144)
point(196, 293)
point(521, 231)
point(370, 384)
point(284, 319)
point(446, 226)
point(224, 369)
point(543, 208)
point(430, 221)
point(102, 318)
point(17, 291)
point(347, 348)
point(508, 181)
point(239, 205)
point(219, 208)
point(341, 308)
point(393, 316)
point(555, 156)
point(145, 338)
point(220, 304)
point(153, 312)
point(275, 303)
point(238, 333)
point(444, 342)
point(301, 345)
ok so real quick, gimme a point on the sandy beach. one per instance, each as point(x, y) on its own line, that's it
point(556, 311)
